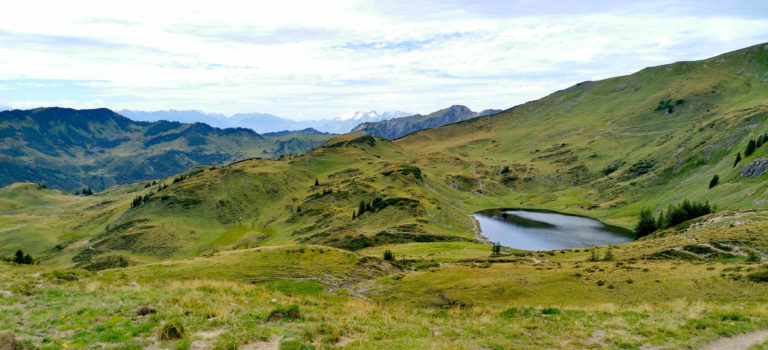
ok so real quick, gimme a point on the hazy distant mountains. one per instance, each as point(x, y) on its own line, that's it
point(399, 127)
point(264, 122)
point(71, 149)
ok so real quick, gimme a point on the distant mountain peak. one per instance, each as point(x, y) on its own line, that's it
point(373, 115)
point(397, 127)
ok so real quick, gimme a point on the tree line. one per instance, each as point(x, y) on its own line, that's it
point(367, 207)
point(674, 215)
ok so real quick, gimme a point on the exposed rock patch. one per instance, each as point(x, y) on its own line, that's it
point(755, 169)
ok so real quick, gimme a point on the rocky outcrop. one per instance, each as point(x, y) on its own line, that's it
point(756, 168)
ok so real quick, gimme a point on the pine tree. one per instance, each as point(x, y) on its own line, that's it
point(19, 258)
point(751, 146)
point(388, 255)
point(298, 209)
point(361, 209)
point(646, 225)
point(608, 255)
point(353, 215)
point(714, 181)
point(317, 183)
point(593, 255)
point(738, 159)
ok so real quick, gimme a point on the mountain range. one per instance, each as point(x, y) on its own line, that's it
point(399, 127)
point(73, 149)
point(264, 122)
point(602, 149)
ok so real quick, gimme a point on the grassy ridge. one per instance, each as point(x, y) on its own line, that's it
point(602, 149)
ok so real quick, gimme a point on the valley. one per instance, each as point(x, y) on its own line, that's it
point(291, 252)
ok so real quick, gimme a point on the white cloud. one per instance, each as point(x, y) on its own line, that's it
point(319, 59)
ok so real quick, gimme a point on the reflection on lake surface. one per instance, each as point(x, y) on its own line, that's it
point(547, 230)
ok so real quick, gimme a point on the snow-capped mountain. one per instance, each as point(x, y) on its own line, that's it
point(372, 116)
point(265, 123)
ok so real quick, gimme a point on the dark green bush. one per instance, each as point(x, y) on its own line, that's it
point(551, 311)
point(388, 255)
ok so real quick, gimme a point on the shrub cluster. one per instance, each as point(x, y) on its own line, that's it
point(668, 105)
point(496, 250)
point(86, 192)
point(20, 258)
point(365, 207)
point(325, 192)
point(141, 200)
point(674, 215)
point(752, 146)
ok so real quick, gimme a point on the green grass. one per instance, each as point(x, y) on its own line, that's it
point(225, 247)
point(454, 306)
point(437, 251)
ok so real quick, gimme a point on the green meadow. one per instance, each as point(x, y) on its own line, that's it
point(289, 253)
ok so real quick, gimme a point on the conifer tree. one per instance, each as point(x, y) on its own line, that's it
point(738, 159)
point(751, 146)
point(19, 258)
point(646, 225)
point(714, 181)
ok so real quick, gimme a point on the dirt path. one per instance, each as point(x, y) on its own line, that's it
point(738, 342)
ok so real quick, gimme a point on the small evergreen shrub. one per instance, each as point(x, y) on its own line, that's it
point(388, 256)
point(496, 249)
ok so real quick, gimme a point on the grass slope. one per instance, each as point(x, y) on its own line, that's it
point(602, 149)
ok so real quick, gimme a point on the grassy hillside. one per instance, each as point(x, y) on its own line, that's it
point(74, 149)
point(603, 149)
point(277, 254)
point(340, 299)
point(606, 148)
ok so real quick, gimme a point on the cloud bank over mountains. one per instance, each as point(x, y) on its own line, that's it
point(311, 60)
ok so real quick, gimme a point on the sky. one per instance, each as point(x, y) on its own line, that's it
point(322, 59)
